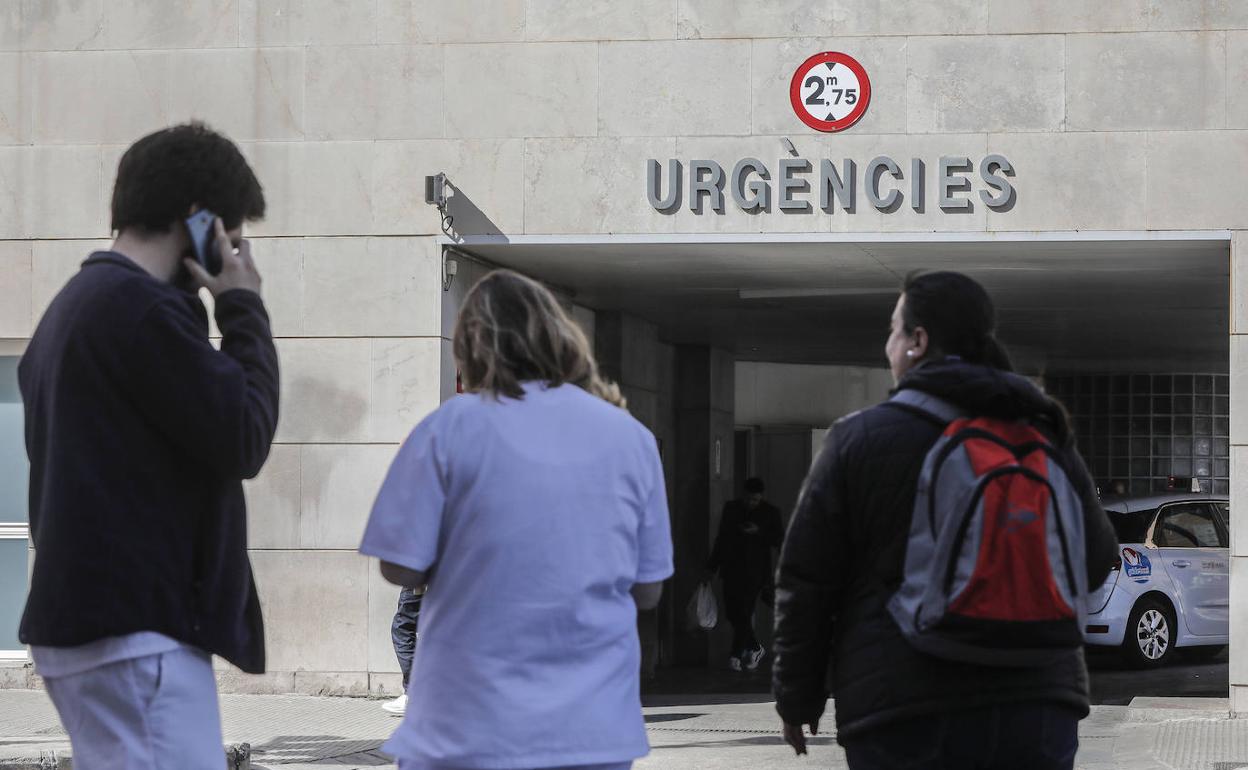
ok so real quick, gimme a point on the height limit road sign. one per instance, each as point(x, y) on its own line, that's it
point(830, 91)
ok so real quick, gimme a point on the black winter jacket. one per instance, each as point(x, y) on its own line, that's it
point(844, 554)
point(139, 434)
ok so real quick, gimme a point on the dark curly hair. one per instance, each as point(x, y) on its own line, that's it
point(163, 174)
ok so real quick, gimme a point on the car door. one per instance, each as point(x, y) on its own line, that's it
point(1223, 509)
point(1193, 550)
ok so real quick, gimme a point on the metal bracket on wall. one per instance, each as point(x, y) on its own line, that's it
point(449, 268)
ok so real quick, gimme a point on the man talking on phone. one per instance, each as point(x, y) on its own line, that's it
point(139, 434)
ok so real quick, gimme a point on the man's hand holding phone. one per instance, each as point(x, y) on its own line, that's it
point(238, 270)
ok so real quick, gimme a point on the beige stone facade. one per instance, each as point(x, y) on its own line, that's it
point(543, 113)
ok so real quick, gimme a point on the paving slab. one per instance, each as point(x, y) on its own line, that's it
point(690, 732)
point(1221, 706)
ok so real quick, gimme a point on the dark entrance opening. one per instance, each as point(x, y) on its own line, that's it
point(739, 351)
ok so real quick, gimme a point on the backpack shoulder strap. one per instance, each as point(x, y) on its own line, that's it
point(927, 404)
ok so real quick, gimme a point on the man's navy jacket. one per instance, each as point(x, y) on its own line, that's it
point(139, 434)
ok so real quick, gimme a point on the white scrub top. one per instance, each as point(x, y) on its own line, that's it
point(535, 517)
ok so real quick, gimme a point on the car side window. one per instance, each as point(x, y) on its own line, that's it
point(1186, 525)
point(1225, 510)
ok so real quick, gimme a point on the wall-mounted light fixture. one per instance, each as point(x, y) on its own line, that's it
point(435, 195)
point(435, 189)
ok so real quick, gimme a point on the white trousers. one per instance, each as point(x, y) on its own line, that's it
point(150, 713)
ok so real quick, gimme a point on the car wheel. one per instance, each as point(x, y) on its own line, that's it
point(1150, 635)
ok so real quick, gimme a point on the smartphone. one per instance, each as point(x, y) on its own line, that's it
point(202, 229)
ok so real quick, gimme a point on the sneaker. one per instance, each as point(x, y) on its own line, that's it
point(398, 706)
point(754, 657)
point(734, 663)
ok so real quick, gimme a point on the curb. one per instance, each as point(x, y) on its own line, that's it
point(47, 760)
point(237, 757)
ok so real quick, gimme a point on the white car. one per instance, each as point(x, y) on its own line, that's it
point(1171, 586)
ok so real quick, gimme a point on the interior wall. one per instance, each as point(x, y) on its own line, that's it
point(771, 394)
point(630, 353)
point(781, 458)
point(703, 461)
point(468, 272)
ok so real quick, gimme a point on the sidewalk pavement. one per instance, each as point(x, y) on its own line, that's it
point(292, 732)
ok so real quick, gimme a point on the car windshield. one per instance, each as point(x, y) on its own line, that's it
point(1131, 527)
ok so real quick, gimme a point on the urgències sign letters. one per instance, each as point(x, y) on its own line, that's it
point(830, 92)
point(796, 185)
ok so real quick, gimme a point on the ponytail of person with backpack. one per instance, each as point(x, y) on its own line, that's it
point(935, 574)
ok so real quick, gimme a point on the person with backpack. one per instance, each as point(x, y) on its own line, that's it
point(935, 572)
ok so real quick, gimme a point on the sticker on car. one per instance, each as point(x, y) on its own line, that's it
point(1136, 564)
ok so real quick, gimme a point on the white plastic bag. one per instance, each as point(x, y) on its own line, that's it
point(703, 610)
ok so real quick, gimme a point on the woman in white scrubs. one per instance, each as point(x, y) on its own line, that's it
point(534, 508)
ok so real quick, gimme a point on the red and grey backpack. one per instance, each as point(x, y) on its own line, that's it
point(995, 563)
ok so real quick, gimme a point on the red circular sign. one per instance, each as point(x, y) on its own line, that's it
point(830, 91)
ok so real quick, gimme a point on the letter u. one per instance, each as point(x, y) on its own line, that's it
point(654, 185)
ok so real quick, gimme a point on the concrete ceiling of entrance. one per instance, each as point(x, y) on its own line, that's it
point(1063, 306)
